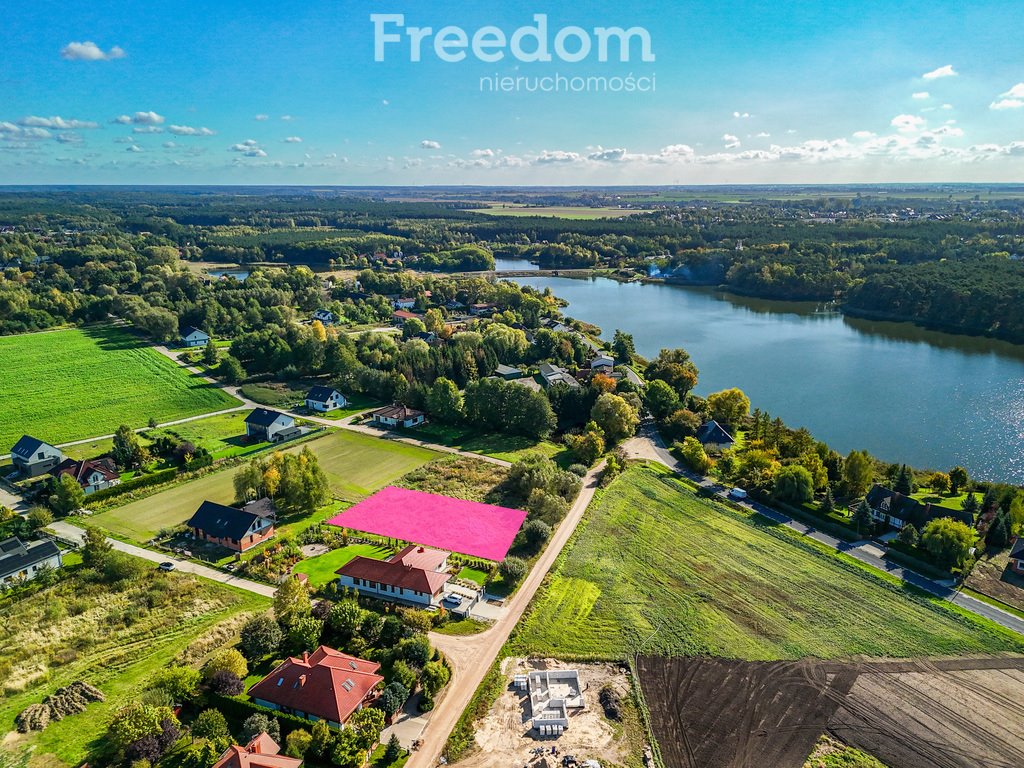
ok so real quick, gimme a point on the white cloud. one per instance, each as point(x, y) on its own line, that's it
point(139, 118)
point(1017, 92)
point(188, 130)
point(262, 117)
point(147, 129)
point(863, 135)
point(293, 140)
point(763, 135)
point(1006, 104)
point(907, 123)
point(731, 142)
point(385, 102)
point(947, 106)
point(935, 74)
point(134, 148)
point(68, 138)
point(920, 95)
point(10, 131)
point(741, 115)
point(430, 144)
point(249, 148)
point(548, 157)
point(55, 122)
point(607, 155)
point(482, 153)
point(89, 51)
point(287, 118)
point(169, 145)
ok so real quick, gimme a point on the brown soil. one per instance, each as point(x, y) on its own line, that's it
point(992, 576)
point(717, 713)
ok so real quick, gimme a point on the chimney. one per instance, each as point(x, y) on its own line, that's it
point(302, 680)
point(305, 657)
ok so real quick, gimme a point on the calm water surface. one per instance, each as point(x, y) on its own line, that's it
point(903, 393)
point(513, 265)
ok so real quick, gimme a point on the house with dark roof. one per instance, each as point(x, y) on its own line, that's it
point(323, 685)
point(261, 752)
point(714, 436)
point(324, 399)
point(602, 364)
point(21, 562)
point(193, 337)
point(325, 316)
point(272, 426)
point(415, 576)
point(236, 529)
point(92, 474)
point(398, 415)
point(33, 457)
point(896, 510)
point(482, 308)
point(552, 374)
point(507, 372)
point(1017, 556)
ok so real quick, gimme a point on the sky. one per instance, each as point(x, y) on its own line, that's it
point(331, 92)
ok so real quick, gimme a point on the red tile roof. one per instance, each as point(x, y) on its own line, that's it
point(421, 557)
point(261, 752)
point(325, 683)
point(395, 574)
point(81, 469)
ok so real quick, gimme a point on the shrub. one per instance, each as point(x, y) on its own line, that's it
point(535, 533)
point(297, 743)
point(257, 723)
point(228, 660)
point(226, 683)
point(513, 569)
point(578, 469)
point(260, 636)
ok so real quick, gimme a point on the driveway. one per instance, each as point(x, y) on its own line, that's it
point(66, 530)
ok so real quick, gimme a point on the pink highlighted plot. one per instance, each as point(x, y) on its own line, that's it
point(466, 527)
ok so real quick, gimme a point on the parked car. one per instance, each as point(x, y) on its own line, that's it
point(452, 601)
point(166, 566)
point(738, 494)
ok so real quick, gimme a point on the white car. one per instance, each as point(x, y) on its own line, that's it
point(738, 494)
point(452, 601)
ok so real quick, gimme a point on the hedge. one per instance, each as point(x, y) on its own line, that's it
point(142, 481)
point(240, 709)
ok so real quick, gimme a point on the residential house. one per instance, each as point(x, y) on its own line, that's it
point(602, 364)
point(481, 309)
point(325, 316)
point(428, 336)
point(193, 337)
point(401, 316)
point(323, 685)
point(507, 372)
point(393, 416)
point(1017, 556)
point(33, 457)
point(21, 562)
point(236, 529)
point(92, 474)
point(325, 399)
point(416, 576)
point(896, 510)
point(404, 302)
point(272, 426)
point(552, 374)
point(261, 752)
point(713, 436)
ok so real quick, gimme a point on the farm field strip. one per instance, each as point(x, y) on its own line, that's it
point(72, 384)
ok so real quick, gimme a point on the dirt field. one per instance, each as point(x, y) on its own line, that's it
point(992, 576)
point(504, 738)
point(717, 713)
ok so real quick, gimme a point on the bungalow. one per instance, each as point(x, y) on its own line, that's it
point(261, 752)
point(416, 576)
point(193, 337)
point(404, 302)
point(33, 457)
point(507, 372)
point(482, 309)
point(1017, 556)
point(323, 685)
point(552, 374)
point(235, 529)
point(401, 316)
point(325, 316)
point(896, 510)
point(92, 474)
point(602, 364)
point(21, 562)
point(398, 415)
point(325, 399)
point(272, 426)
point(714, 436)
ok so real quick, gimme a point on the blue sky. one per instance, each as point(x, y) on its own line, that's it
point(290, 93)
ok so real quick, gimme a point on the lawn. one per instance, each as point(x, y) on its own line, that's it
point(115, 639)
point(356, 465)
point(654, 568)
point(474, 575)
point(356, 404)
point(64, 385)
point(498, 446)
point(949, 501)
point(321, 569)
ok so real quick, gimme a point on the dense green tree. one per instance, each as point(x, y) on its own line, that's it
point(226, 660)
point(998, 536)
point(949, 541)
point(674, 367)
point(958, 479)
point(908, 535)
point(695, 456)
point(444, 401)
point(616, 418)
point(291, 602)
point(939, 482)
point(68, 496)
point(259, 637)
point(209, 724)
point(970, 505)
point(661, 399)
point(858, 472)
point(95, 547)
point(862, 517)
point(904, 482)
point(297, 743)
point(180, 683)
point(127, 451)
point(513, 569)
point(729, 407)
point(38, 518)
point(623, 347)
point(258, 723)
point(793, 485)
point(828, 504)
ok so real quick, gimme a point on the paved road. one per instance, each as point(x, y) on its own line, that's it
point(472, 656)
point(66, 530)
point(864, 551)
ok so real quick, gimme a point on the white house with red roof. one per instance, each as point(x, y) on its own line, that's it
point(416, 575)
point(261, 752)
point(323, 685)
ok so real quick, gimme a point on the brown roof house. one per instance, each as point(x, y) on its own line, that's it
point(416, 576)
point(323, 685)
point(398, 415)
point(261, 752)
point(92, 474)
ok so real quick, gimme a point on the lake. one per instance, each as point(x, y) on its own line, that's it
point(932, 400)
point(502, 264)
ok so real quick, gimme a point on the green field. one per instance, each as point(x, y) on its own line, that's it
point(321, 569)
point(559, 211)
point(498, 446)
point(221, 435)
point(356, 466)
point(656, 569)
point(72, 384)
point(116, 639)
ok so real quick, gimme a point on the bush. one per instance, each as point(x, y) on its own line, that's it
point(297, 743)
point(579, 470)
point(228, 660)
point(226, 683)
point(513, 569)
point(260, 636)
point(210, 724)
point(535, 533)
point(119, 566)
point(142, 481)
point(258, 723)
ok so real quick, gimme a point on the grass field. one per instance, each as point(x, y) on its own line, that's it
point(356, 466)
point(498, 446)
point(114, 639)
point(221, 435)
point(655, 568)
point(321, 569)
point(560, 211)
point(72, 384)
